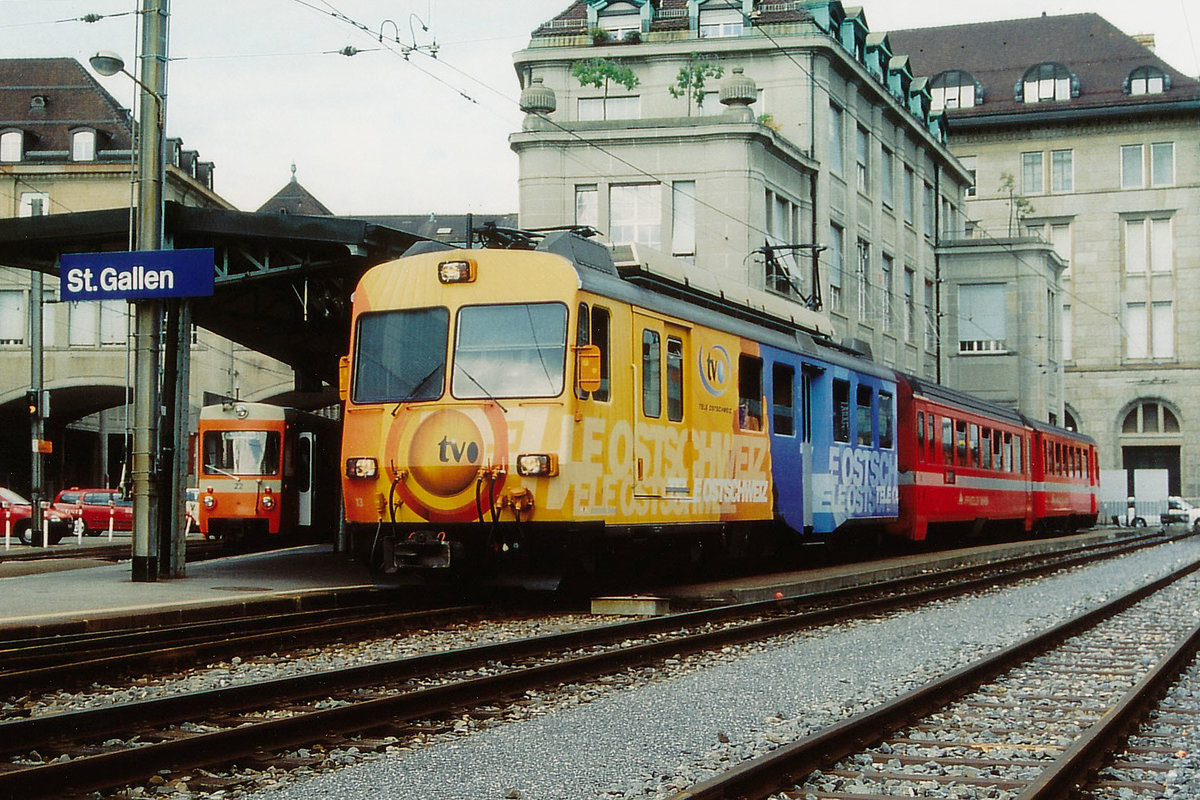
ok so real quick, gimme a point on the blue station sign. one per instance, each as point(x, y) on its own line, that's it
point(138, 275)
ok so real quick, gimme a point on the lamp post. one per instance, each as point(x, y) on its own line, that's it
point(147, 313)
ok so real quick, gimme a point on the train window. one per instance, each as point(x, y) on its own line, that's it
point(303, 464)
point(974, 433)
point(947, 441)
point(512, 350)
point(1008, 453)
point(651, 374)
point(920, 432)
point(674, 379)
point(601, 320)
point(960, 441)
point(806, 378)
point(749, 393)
point(241, 452)
point(866, 433)
point(985, 447)
point(998, 451)
point(1019, 453)
point(400, 355)
point(1058, 459)
point(782, 392)
point(841, 411)
point(583, 334)
point(885, 420)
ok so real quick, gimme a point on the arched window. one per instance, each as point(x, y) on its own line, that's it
point(954, 88)
point(1147, 80)
point(1150, 417)
point(83, 145)
point(1047, 82)
point(12, 146)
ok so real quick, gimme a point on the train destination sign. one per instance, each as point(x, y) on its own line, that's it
point(138, 275)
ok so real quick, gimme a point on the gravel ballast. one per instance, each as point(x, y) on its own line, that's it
point(686, 720)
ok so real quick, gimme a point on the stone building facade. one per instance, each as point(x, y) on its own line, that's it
point(714, 129)
point(1077, 134)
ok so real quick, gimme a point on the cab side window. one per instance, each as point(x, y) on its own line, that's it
point(651, 374)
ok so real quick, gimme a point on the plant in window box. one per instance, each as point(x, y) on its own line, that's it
point(599, 35)
point(690, 81)
point(632, 37)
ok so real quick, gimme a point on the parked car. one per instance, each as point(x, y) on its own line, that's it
point(17, 512)
point(1180, 510)
point(93, 507)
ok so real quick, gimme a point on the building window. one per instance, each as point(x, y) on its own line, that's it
point(12, 146)
point(887, 182)
point(1147, 80)
point(620, 19)
point(887, 266)
point(1131, 166)
point(719, 20)
point(1150, 417)
point(34, 204)
point(83, 323)
point(83, 145)
point(1149, 332)
point(1068, 339)
point(635, 214)
point(982, 318)
point(910, 310)
point(930, 326)
point(13, 320)
point(968, 163)
point(837, 260)
point(1046, 82)
point(1033, 173)
point(1148, 243)
point(683, 220)
point(929, 212)
point(1062, 171)
point(954, 89)
point(836, 149)
point(1162, 164)
point(114, 322)
point(783, 218)
point(592, 109)
point(587, 205)
point(910, 200)
point(862, 273)
point(862, 145)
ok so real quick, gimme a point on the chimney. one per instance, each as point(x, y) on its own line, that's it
point(1146, 40)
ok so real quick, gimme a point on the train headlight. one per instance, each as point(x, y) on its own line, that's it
point(209, 501)
point(268, 501)
point(458, 271)
point(539, 465)
point(361, 468)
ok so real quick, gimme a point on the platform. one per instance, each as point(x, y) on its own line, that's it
point(104, 596)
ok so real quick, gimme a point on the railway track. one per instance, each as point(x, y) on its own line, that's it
point(105, 747)
point(196, 551)
point(1029, 722)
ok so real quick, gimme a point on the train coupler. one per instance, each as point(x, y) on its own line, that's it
point(422, 550)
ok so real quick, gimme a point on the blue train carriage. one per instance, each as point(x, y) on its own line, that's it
point(558, 405)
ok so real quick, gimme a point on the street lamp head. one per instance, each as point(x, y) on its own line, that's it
point(107, 63)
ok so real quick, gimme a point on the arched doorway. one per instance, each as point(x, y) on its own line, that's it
point(1151, 439)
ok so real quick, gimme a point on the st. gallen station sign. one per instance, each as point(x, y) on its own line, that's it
point(137, 275)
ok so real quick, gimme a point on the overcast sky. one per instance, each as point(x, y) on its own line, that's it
point(257, 85)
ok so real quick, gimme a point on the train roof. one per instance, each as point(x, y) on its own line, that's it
point(641, 279)
point(945, 394)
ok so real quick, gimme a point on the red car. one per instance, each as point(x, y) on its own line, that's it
point(16, 513)
point(94, 508)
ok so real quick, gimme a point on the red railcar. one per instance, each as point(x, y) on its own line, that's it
point(1066, 476)
point(965, 464)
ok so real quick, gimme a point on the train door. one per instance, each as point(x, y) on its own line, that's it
point(660, 431)
point(808, 376)
point(304, 478)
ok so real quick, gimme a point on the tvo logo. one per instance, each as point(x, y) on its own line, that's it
point(714, 368)
point(445, 454)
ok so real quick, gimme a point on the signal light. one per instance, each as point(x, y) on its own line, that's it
point(34, 403)
point(361, 468)
point(461, 271)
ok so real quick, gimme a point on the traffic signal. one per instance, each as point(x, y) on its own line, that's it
point(33, 401)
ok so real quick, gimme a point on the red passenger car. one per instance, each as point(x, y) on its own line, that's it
point(966, 465)
point(1066, 476)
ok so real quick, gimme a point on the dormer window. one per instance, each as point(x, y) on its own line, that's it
point(12, 146)
point(1047, 82)
point(1147, 80)
point(954, 88)
point(717, 19)
point(620, 20)
point(83, 145)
